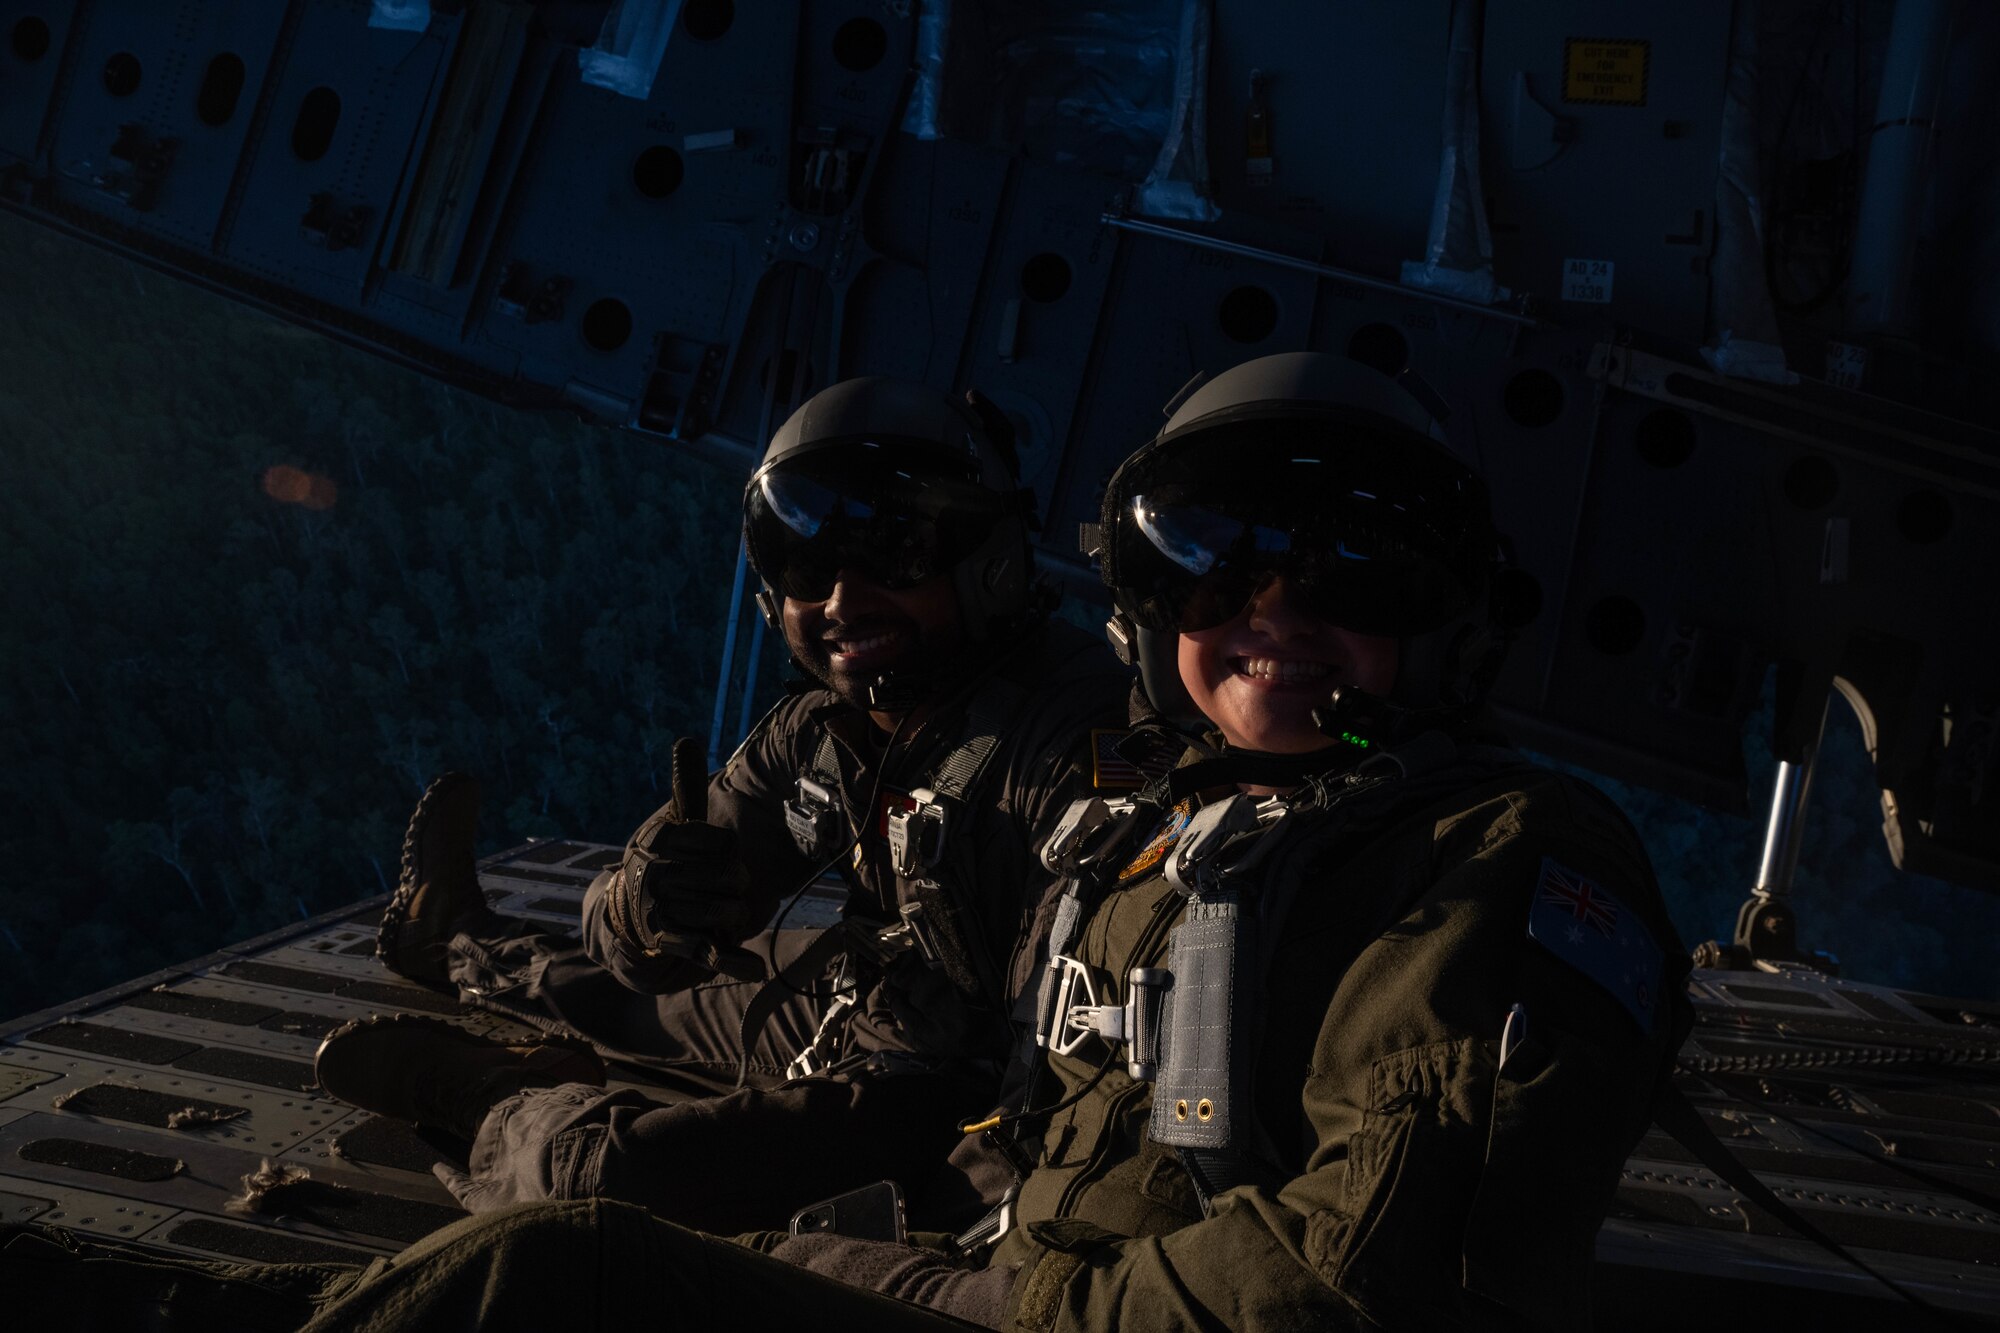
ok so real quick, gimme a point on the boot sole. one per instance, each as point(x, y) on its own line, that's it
point(564, 1060)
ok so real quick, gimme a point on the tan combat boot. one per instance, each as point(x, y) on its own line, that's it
point(438, 888)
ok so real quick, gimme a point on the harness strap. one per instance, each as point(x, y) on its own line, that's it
point(931, 859)
point(917, 836)
point(811, 816)
point(787, 981)
point(1236, 768)
point(1213, 1170)
point(987, 717)
point(825, 766)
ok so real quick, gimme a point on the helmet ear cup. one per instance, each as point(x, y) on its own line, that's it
point(1451, 667)
point(990, 427)
point(1483, 658)
point(1124, 638)
point(994, 582)
point(1160, 675)
point(1462, 657)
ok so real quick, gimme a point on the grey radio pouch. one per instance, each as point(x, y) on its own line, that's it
point(1198, 1095)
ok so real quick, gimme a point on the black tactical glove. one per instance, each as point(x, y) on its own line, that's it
point(681, 888)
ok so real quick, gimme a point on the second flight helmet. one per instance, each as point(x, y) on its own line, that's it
point(898, 482)
point(1327, 471)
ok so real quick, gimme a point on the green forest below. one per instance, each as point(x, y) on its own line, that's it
point(261, 587)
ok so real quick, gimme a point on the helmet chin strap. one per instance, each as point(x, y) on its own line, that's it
point(1243, 768)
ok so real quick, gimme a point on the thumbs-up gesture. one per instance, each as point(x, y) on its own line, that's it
point(681, 888)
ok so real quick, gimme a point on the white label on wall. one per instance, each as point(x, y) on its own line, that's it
point(1845, 365)
point(1587, 280)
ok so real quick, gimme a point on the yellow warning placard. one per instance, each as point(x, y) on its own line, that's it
point(1605, 71)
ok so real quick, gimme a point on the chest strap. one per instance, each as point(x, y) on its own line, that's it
point(918, 843)
point(918, 833)
point(1183, 1024)
point(1083, 849)
point(935, 862)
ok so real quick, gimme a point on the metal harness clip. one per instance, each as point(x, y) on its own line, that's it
point(1088, 830)
point(1071, 976)
point(921, 934)
point(812, 819)
point(818, 1054)
point(1135, 1024)
point(916, 834)
point(1196, 865)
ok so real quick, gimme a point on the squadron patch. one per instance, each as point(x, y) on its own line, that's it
point(1160, 843)
point(1583, 924)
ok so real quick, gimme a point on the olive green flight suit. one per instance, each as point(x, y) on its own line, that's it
point(1414, 1184)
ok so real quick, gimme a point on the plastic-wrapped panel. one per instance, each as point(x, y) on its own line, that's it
point(1355, 102)
point(1605, 122)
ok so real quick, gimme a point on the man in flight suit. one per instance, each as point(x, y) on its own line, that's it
point(1353, 1017)
point(890, 535)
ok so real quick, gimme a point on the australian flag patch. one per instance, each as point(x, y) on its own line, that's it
point(1580, 922)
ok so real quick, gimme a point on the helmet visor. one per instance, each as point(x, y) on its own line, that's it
point(878, 510)
point(1381, 541)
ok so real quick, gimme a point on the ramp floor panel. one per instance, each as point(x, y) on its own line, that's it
point(1877, 1112)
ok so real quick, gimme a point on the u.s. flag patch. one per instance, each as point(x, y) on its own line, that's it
point(1582, 923)
point(1109, 770)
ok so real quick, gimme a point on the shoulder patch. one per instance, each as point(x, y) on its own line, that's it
point(1109, 770)
point(1582, 923)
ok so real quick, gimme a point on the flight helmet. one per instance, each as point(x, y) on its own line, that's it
point(901, 482)
point(1327, 471)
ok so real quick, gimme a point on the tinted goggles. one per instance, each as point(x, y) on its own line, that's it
point(1215, 562)
point(1384, 537)
point(806, 526)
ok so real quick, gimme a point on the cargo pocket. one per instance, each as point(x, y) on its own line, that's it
point(1531, 1233)
point(1393, 1245)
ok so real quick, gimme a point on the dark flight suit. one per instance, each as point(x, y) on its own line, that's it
point(1419, 1185)
point(723, 1159)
